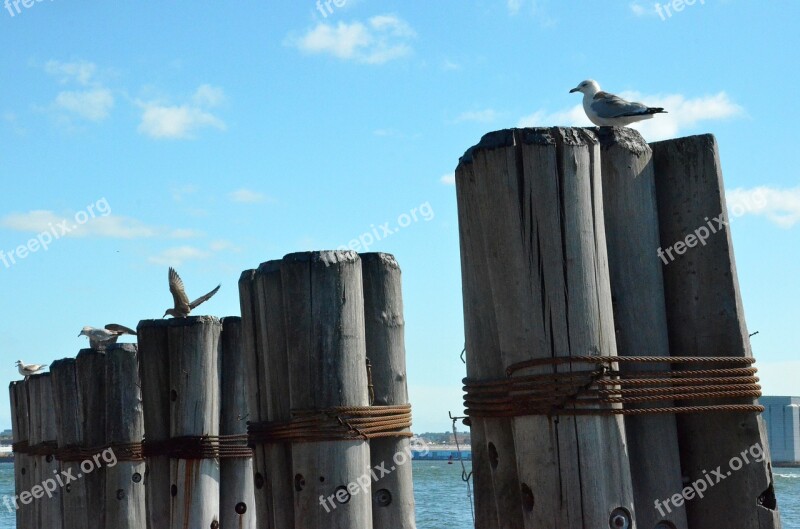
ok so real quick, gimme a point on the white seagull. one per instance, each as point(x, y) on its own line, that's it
point(180, 299)
point(608, 110)
point(27, 370)
point(101, 338)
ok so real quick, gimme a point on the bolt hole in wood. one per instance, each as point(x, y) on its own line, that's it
point(215, 524)
point(136, 477)
point(665, 524)
point(120, 494)
point(527, 497)
point(173, 490)
point(22, 471)
point(49, 458)
point(620, 519)
point(383, 498)
point(173, 395)
point(493, 457)
point(259, 481)
point(240, 508)
point(322, 479)
point(68, 488)
point(299, 482)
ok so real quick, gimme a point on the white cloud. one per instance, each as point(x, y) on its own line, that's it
point(449, 179)
point(381, 39)
point(247, 196)
point(480, 116)
point(682, 114)
point(450, 66)
point(780, 206)
point(640, 9)
point(108, 226)
point(167, 121)
point(94, 105)
point(533, 7)
point(178, 255)
point(80, 72)
point(514, 6)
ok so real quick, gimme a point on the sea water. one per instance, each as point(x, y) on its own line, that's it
point(443, 503)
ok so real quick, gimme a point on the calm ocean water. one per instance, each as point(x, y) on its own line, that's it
point(442, 501)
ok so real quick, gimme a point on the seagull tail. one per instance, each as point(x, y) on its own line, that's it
point(656, 110)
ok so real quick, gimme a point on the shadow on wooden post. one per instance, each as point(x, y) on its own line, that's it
point(92, 385)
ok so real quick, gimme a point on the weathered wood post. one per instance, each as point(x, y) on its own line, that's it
point(92, 386)
point(122, 460)
point(194, 344)
point(274, 374)
point(236, 502)
point(706, 318)
point(324, 306)
point(154, 379)
point(46, 492)
point(637, 289)
point(393, 493)
point(540, 213)
point(498, 502)
point(70, 435)
point(23, 462)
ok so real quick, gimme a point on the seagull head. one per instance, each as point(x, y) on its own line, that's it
point(18, 363)
point(588, 87)
point(170, 312)
point(85, 331)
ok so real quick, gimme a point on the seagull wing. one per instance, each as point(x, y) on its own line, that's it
point(120, 329)
point(201, 299)
point(609, 106)
point(178, 292)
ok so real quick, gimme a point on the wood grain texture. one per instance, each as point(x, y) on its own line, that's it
point(538, 206)
point(46, 493)
point(125, 489)
point(237, 500)
point(23, 463)
point(324, 307)
point(706, 318)
point(637, 289)
point(393, 493)
point(92, 384)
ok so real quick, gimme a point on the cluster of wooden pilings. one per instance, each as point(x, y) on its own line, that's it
point(560, 234)
point(155, 435)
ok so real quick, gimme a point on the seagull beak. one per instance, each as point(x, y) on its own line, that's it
point(573, 90)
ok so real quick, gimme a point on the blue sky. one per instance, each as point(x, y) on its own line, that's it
point(215, 136)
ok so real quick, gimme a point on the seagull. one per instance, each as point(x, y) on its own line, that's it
point(101, 338)
point(182, 305)
point(604, 109)
point(27, 370)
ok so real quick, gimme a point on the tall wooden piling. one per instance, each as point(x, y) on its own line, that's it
point(539, 213)
point(124, 467)
point(46, 491)
point(70, 434)
point(154, 379)
point(274, 363)
point(324, 307)
point(92, 385)
point(237, 501)
point(23, 465)
point(706, 318)
point(637, 289)
point(194, 344)
point(393, 493)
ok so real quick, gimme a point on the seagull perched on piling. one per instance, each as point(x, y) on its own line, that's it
point(182, 305)
point(607, 110)
point(27, 370)
point(102, 338)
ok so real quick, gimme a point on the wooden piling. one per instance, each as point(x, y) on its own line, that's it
point(393, 493)
point(637, 289)
point(46, 492)
point(70, 434)
point(194, 344)
point(237, 501)
point(91, 370)
point(324, 307)
point(539, 213)
point(705, 318)
point(274, 364)
point(23, 463)
point(125, 490)
point(154, 379)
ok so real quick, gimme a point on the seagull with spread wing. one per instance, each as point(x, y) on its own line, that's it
point(182, 305)
point(27, 370)
point(102, 338)
point(607, 110)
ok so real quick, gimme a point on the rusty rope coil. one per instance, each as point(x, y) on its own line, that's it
point(122, 452)
point(199, 447)
point(343, 423)
point(45, 448)
point(607, 390)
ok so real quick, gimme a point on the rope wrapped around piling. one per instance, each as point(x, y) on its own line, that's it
point(45, 448)
point(122, 452)
point(606, 390)
point(343, 423)
point(200, 447)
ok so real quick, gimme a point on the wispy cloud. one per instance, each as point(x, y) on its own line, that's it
point(448, 179)
point(247, 196)
point(381, 39)
point(683, 113)
point(92, 102)
point(780, 206)
point(165, 121)
point(81, 72)
point(536, 9)
point(110, 226)
point(487, 115)
point(93, 105)
point(177, 255)
point(641, 8)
